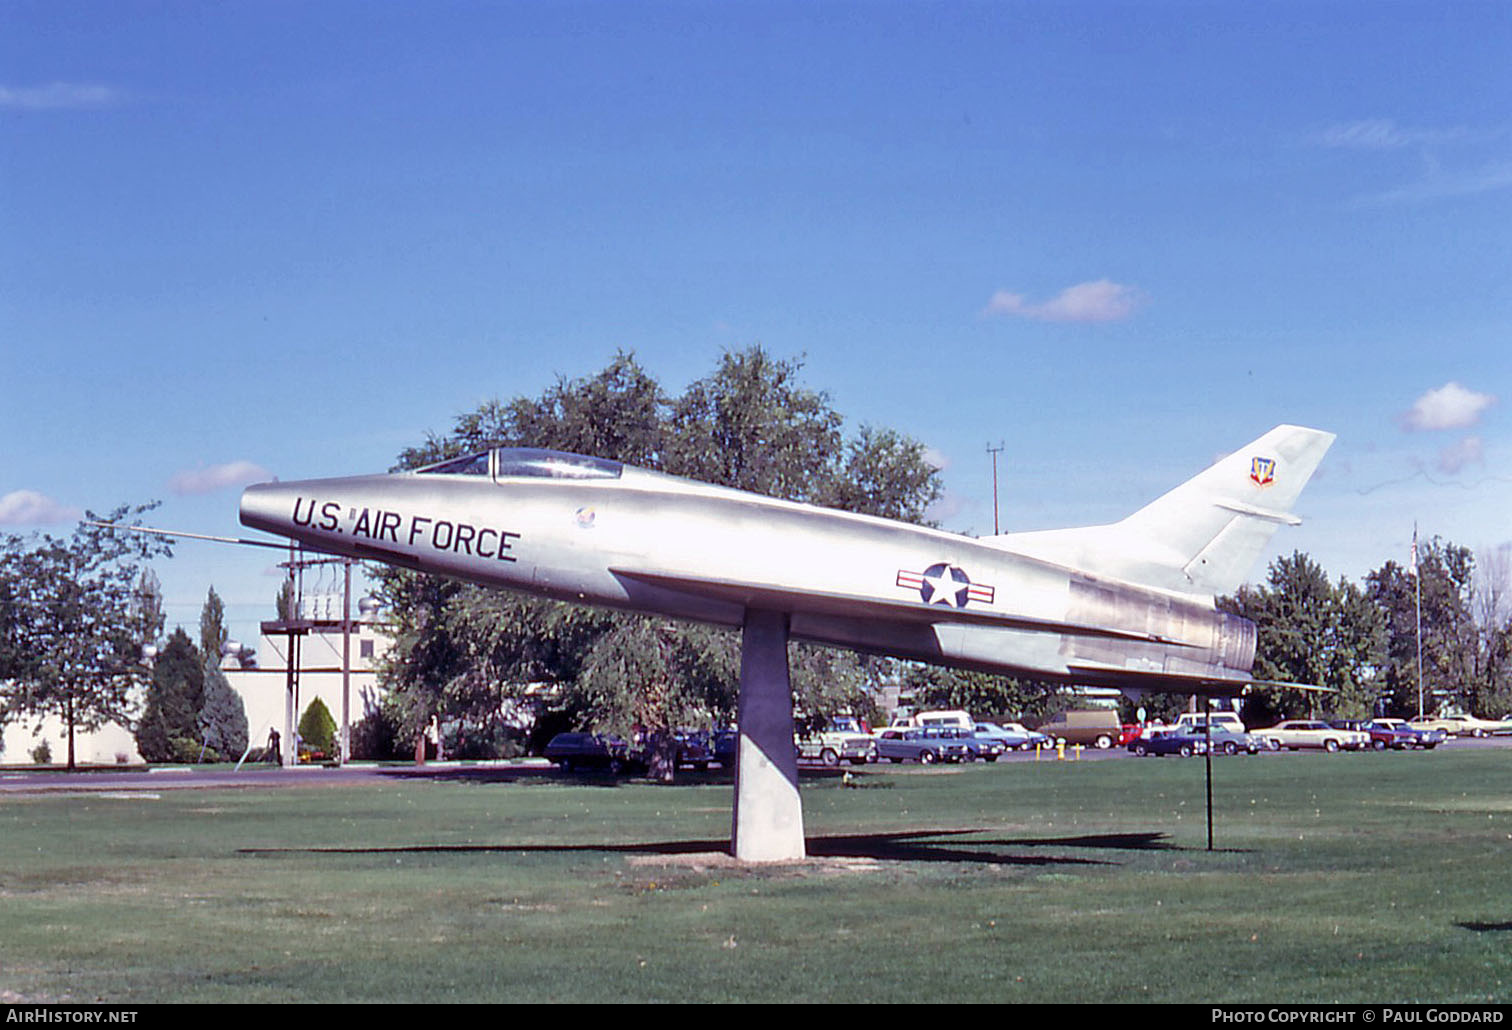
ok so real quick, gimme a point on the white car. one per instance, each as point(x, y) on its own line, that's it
point(1032, 737)
point(1299, 733)
point(1013, 740)
point(1461, 725)
point(1193, 722)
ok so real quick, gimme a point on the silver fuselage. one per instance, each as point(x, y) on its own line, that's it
point(648, 542)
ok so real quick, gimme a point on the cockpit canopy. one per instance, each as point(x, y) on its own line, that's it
point(528, 462)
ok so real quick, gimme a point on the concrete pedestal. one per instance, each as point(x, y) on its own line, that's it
point(768, 818)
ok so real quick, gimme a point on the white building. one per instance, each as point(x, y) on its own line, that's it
point(112, 744)
point(262, 689)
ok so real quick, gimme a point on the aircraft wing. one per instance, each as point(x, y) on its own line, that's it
point(778, 597)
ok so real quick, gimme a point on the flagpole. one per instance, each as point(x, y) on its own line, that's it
point(1418, 582)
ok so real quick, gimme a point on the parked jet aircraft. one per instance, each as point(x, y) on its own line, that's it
point(1128, 605)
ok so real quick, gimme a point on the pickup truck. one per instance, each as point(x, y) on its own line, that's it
point(836, 743)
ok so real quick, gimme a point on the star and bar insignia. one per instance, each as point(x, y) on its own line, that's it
point(945, 584)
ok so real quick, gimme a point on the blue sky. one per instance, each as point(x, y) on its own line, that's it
point(240, 239)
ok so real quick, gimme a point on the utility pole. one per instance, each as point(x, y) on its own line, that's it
point(345, 750)
point(293, 625)
point(994, 452)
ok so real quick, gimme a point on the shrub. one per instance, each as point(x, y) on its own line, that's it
point(375, 737)
point(317, 730)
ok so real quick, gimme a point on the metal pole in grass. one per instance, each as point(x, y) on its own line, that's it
point(1207, 730)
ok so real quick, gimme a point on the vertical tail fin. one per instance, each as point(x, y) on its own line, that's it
point(1205, 535)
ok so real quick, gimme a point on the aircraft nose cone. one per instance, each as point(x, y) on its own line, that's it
point(269, 507)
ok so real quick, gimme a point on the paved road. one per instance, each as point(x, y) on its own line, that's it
point(26, 780)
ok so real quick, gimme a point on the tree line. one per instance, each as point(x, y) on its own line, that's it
point(1362, 641)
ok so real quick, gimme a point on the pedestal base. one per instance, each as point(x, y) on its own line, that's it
point(768, 817)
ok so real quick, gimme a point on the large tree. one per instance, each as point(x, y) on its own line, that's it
point(74, 620)
point(1464, 634)
point(213, 634)
point(191, 713)
point(619, 413)
point(989, 697)
point(1315, 632)
point(168, 730)
point(750, 424)
point(222, 720)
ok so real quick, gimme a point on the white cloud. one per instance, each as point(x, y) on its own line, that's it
point(1451, 406)
point(58, 96)
point(945, 507)
point(936, 458)
point(1100, 301)
point(29, 508)
point(1384, 134)
point(1469, 451)
point(218, 477)
point(1440, 185)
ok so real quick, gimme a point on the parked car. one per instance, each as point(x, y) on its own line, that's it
point(1012, 739)
point(1195, 721)
point(1293, 734)
point(1397, 733)
point(922, 745)
point(1169, 742)
point(1381, 738)
point(944, 717)
point(1227, 742)
point(1462, 725)
point(694, 748)
point(983, 747)
point(572, 751)
point(1096, 726)
point(1034, 737)
point(723, 746)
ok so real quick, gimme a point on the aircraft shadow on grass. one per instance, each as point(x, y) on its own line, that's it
point(910, 846)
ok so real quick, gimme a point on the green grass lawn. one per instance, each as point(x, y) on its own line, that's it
point(1337, 878)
